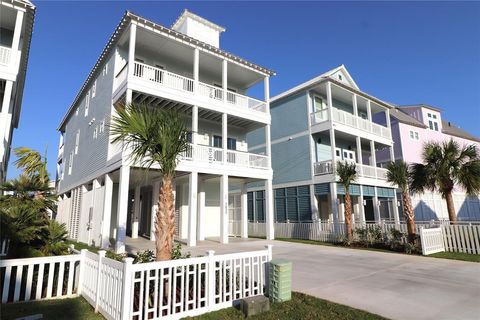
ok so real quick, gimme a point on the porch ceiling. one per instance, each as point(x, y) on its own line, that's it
point(166, 104)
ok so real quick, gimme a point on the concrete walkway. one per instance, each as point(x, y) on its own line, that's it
point(393, 285)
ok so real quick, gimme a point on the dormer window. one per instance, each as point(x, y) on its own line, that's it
point(432, 121)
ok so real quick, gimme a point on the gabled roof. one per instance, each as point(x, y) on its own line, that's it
point(403, 117)
point(453, 130)
point(317, 80)
point(421, 105)
point(122, 26)
point(188, 14)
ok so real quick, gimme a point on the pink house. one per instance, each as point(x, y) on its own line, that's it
point(412, 126)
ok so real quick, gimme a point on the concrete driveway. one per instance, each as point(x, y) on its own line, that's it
point(393, 285)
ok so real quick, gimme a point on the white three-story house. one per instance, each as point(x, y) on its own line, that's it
point(16, 24)
point(104, 197)
point(314, 125)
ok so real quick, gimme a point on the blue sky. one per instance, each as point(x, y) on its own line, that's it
point(426, 52)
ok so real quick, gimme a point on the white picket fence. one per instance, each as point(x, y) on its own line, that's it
point(460, 237)
point(432, 240)
point(123, 290)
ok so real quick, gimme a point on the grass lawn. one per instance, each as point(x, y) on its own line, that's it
point(443, 255)
point(300, 307)
point(72, 309)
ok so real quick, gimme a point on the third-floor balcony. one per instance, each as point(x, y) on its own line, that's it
point(350, 120)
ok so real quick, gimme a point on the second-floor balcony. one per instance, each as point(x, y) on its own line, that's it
point(211, 94)
point(366, 171)
point(5, 55)
point(350, 120)
point(207, 154)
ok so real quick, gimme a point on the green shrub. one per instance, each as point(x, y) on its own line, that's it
point(144, 256)
point(177, 253)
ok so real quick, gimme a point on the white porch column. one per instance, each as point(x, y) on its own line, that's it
point(396, 216)
point(314, 203)
point(244, 211)
point(333, 146)
point(131, 49)
point(192, 209)
point(373, 156)
point(136, 212)
point(269, 219)
point(361, 206)
point(387, 118)
point(334, 201)
point(194, 124)
point(341, 209)
point(153, 218)
point(122, 208)
point(376, 206)
point(196, 67)
point(16, 37)
point(224, 209)
point(224, 79)
point(355, 108)
point(5, 126)
point(369, 113)
point(7, 96)
point(359, 150)
point(329, 101)
point(107, 211)
point(224, 136)
point(201, 210)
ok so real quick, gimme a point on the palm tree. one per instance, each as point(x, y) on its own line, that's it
point(32, 163)
point(347, 173)
point(445, 166)
point(154, 137)
point(399, 174)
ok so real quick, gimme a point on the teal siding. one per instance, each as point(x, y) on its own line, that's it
point(354, 189)
point(291, 160)
point(342, 106)
point(256, 137)
point(322, 189)
point(293, 203)
point(385, 192)
point(368, 191)
point(289, 115)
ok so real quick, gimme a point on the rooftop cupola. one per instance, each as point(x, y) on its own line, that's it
point(199, 28)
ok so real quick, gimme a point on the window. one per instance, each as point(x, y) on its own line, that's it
point(77, 141)
point(94, 89)
point(76, 111)
point(231, 143)
point(189, 136)
point(414, 135)
point(70, 163)
point(87, 103)
point(340, 77)
point(95, 133)
point(105, 70)
point(217, 141)
point(102, 126)
point(432, 121)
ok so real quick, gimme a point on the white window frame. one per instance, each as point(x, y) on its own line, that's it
point(87, 103)
point(94, 88)
point(95, 133)
point(105, 69)
point(102, 126)
point(70, 163)
point(77, 141)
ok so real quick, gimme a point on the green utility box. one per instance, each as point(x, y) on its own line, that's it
point(280, 280)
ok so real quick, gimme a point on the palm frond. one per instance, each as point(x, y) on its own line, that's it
point(346, 172)
point(398, 173)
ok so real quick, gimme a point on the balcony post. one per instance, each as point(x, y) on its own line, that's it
point(387, 117)
point(268, 147)
point(396, 216)
point(194, 124)
point(373, 156)
point(369, 114)
point(329, 101)
point(333, 145)
point(153, 219)
point(224, 209)
point(314, 203)
point(196, 68)
point(224, 136)
point(361, 207)
point(334, 201)
point(201, 210)
point(16, 38)
point(244, 212)
point(224, 78)
point(392, 154)
point(355, 108)
point(376, 207)
point(131, 49)
point(359, 150)
point(122, 208)
point(192, 209)
point(7, 97)
point(270, 233)
point(107, 210)
point(136, 212)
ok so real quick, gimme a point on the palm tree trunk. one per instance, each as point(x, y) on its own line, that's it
point(451, 207)
point(348, 215)
point(410, 214)
point(165, 222)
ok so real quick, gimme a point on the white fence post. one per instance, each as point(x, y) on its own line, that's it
point(127, 288)
point(211, 280)
point(101, 255)
point(267, 269)
point(81, 266)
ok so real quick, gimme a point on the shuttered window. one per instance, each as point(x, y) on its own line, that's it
point(260, 205)
point(250, 206)
point(293, 203)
